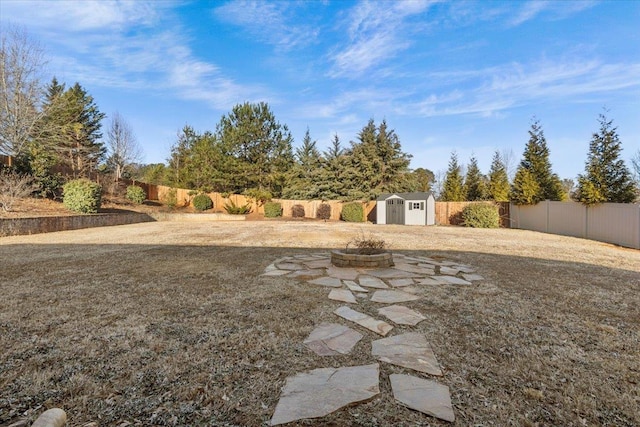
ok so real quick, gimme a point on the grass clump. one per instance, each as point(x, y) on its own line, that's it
point(482, 215)
point(366, 245)
point(272, 210)
point(233, 209)
point(202, 202)
point(297, 211)
point(352, 212)
point(82, 195)
point(136, 194)
point(324, 211)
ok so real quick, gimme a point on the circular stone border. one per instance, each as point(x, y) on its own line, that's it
point(346, 259)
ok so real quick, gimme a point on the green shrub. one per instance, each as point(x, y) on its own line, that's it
point(232, 209)
point(272, 210)
point(202, 202)
point(481, 215)
point(171, 198)
point(324, 211)
point(82, 195)
point(259, 196)
point(136, 194)
point(352, 212)
point(297, 211)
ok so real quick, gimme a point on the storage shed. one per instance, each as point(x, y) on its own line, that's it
point(406, 209)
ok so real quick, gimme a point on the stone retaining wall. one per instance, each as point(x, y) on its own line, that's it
point(345, 259)
point(20, 226)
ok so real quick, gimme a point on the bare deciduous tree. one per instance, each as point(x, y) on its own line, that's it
point(510, 162)
point(14, 186)
point(122, 147)
point(21, 63)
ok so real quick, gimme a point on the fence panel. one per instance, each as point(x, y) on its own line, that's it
point(617, 223)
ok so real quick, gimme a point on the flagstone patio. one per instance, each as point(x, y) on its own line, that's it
point(319, 392)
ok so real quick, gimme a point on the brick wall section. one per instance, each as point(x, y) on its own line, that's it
point(20, 226)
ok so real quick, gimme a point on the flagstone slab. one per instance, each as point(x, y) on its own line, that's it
point(343, 295)
point(472, 277)
point(306, 274)
point(390, 273)
point(353, 286)
point(391, 297)
point(276, 273)
point(426, 396)
point(398, 283)
point(410, 350)
point(322, 391)
point(364, 320)
point(372, 282)
point(401, 315)
point(449, 270)
point(327, 281)
point(454, 280)
point(290, 266)
point(329, 339)
point(318, 263)
point(342, 273)
point(416, 270)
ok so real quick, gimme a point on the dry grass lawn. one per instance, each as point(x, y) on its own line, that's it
point(171, 324)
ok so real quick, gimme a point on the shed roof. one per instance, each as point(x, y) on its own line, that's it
point(406, 196)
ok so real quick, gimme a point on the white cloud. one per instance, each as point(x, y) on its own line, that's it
point(377, 32)
point(82, 15)
point(272, 23)
point(496, 89)
point(555, 9)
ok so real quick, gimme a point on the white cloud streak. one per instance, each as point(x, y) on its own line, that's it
point(272, 23)
point(376, 33)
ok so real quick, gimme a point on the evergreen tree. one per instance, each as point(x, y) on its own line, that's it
point(378, 163)
point(474, 185)
point(536, 161)
point(333, 173)
point(301, 182)
point(423, 179)
point(453, 187)
point(259, 145)
point(498, 188)
point(606, 178)
point(525, 189)
point(71, 129)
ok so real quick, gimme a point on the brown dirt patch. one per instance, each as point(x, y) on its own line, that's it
point(171, 324)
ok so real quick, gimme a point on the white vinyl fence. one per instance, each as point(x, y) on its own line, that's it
point(617, 223)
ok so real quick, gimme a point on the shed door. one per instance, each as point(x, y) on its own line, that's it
point(395, 211)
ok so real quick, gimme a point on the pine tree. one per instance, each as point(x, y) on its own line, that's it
point(498, 188)
point(260, 148)
point(301, 181)
point(525, 189)
point(453, 187)
point(606, 178)
point(334, 173)
point(378, 163)
point(474, 186)
point(536, 161)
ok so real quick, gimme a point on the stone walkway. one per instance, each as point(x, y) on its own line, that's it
point(319, 392)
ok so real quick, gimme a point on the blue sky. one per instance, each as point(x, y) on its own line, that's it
point(464, 76)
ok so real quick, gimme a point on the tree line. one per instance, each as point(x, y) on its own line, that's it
point(250, 152)
point(52, 132)
point(606, 177)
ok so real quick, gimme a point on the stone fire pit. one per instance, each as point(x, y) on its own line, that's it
point(349, 258)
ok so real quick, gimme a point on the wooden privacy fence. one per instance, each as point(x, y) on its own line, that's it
point(184, 198)
point(5, 160)
point(617, 223)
